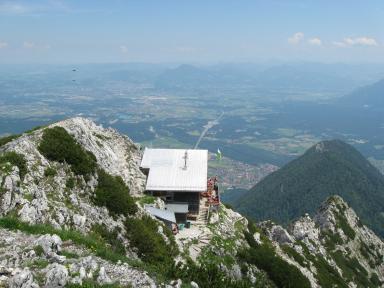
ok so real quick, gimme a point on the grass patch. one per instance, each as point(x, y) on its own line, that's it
point(69, 254)
point(146, 199)
point(40, 263)
point(98, 247)
point(88, 283)
point(111, 237)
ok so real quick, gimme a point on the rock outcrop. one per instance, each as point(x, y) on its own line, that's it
point(38, 198)
point(334, 239)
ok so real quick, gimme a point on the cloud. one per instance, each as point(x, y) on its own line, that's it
point(13, 8)
point(24, 8)
point(124, 49)
point(3, 44)
point(357, 41)
point(315, 41)
point(29, 45)
point(296, 38)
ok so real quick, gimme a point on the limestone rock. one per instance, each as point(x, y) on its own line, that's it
point(194, 284)
point(57, 276)
point(51, 244)
point(23, 279)
point(103, 277)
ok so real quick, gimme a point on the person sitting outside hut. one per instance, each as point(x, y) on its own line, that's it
point(175, 229)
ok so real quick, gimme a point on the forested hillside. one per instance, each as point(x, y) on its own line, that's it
point(328, 168)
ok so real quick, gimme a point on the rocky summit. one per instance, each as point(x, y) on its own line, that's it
point(72, 215)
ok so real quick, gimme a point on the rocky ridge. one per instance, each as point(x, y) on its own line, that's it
point(334, 240)
point(42, 199)
point(335, 234)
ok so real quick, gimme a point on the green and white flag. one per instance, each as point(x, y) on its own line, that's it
point(218, 154)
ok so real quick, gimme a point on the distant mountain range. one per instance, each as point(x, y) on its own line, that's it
point(328, 168)
point(371, 96)
point(309, 77)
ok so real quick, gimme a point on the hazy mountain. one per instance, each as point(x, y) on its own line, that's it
point(328, 168)
point(371, 96)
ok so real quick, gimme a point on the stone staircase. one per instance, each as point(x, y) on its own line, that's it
point(203, 215)
point(203, 212)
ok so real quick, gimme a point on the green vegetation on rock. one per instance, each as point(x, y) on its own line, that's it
point(50, 172)
point(6, 139)
point(328, 168)
point(58, 145)
point(264, 257)
point(151, 246)
point(16, 160)
point(112, 193)
point(91, 241)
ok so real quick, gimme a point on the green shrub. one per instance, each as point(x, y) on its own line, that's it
point(151, 247)
point(352, 269)
point(327, 276)
point(228, 206)
point(6, 139)
point(58, 145)
point(264, 257)
point(16, 160)
point(295, 255)
point(50, 172)
point(347, 229)
point(70, 183)
point(111, 237)
point(375, 280)
point(332, 239)
point(209, 276)
point(112, 193)
point(38, 250)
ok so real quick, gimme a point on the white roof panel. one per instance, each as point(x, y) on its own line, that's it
point(167, 170)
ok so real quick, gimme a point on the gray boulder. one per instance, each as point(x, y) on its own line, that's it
point(51, 244)
point(57, 276)
point(23, 279)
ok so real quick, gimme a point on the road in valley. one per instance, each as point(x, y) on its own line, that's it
point(208, 126)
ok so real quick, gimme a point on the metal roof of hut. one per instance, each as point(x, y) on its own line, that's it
point(177, 170)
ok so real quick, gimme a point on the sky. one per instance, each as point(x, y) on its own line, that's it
point(195, 31)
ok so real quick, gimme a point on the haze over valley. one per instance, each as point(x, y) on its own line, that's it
point(272, 113)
